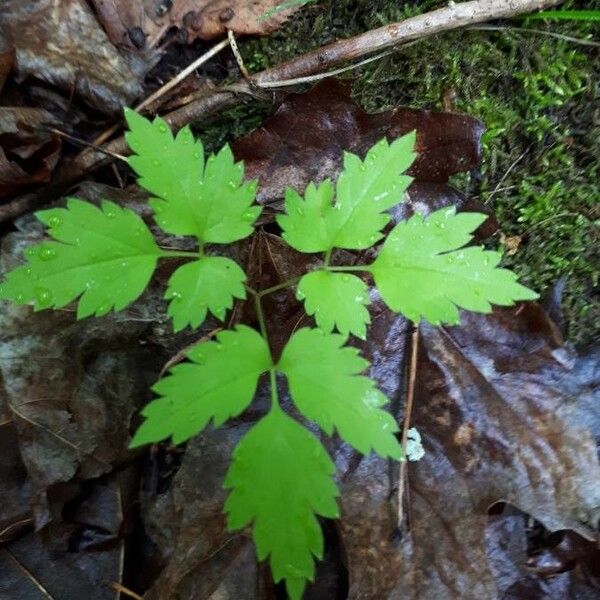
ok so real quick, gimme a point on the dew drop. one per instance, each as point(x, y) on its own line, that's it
point(28, 271)
point(345, 277)
point(31, 251)
point(248, 216)
point(156, 162)
point(54, 221)
point(46, 253)
point(111, 213)
point(162, 128)
point(158, 209)
point(19, 297)
point(441, 225)
point(43, 297)
point(449, 259)
point(197, 155)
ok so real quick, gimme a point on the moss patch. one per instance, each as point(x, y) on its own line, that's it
point(538, 96)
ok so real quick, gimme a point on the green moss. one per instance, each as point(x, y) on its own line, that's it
point(537, 95)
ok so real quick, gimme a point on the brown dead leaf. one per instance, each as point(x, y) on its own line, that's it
point(504, 414)
point(142, 22)
point(64, 563)
point(511, 243)
point(28, 153)
point(306, 136)
point(7, 59)
point(61, 42)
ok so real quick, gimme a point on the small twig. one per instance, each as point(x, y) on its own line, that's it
point(406, 422)
point(7, 531)
point(506, 174)
point(237, 54)
point(183, 74)
point(166, 87)
point(560, 36)
point(125, 591)
point(81, 142)
point(318, 77)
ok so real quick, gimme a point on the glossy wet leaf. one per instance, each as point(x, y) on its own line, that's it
point(365, 190)
point(337, 300)
point(103, 256)
point(218, 383)
point(423, 271)
point(327, 387)
point(208, 284)
point(207, 200)
point(280, 479)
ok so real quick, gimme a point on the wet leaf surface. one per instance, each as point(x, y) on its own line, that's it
point(62, 43)
point(304, 140)
point(142, 22)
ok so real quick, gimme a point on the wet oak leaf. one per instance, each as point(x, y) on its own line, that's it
point(208, 284)
point(218, 383)
point(337, 300)
point(103, 256)
point(365, 190)
point(62, 43)
point(327, 388)
point(422, 270)
point(280, 479)
point(192, 197)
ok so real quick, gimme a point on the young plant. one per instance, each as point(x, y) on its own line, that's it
point(281, 477)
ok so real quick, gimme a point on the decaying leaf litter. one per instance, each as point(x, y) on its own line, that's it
point(507, 411)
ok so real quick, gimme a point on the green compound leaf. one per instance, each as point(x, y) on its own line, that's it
point(104, 256)
point(209, 201)
point(336, 300)
point(365, 190)
point(326, 387)
point(218, 383)
point(423, 271)
point(281, 477)
point(210, 283)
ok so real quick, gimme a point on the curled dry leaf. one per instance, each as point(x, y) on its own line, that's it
point(143, 22)
point(58, 564)
point(62, 43)
point(28, 153)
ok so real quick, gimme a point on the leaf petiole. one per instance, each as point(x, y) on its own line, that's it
point(179, 254)
point(342, 268)
point(274, 392)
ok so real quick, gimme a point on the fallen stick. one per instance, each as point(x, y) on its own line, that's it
point(452, 16)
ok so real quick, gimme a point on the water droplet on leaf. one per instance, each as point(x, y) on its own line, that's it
point(46, 253)
point(43, 297)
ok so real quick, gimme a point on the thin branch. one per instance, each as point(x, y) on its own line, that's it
point(406, 422)
point(559, 36)
point(237, 54)
point(183, 74)
point(81, 142)
point(319, 76)
point(125, 591)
